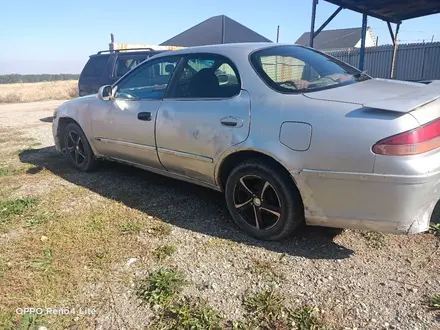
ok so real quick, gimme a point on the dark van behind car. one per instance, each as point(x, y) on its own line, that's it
point(106, 67)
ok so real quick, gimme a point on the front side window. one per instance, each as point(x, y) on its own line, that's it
point(149, 81)
point(207, 76)
point(294, 69)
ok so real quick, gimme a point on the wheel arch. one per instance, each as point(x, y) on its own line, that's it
point(62, 124)
point(256, 160)
point(230, 161)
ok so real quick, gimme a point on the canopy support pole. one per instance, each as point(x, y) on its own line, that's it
point(313, 33)
point(322, 27)
point(391, 31)
point(223, 29)
point(312, 25)
point(363, 37)
point(394, 36)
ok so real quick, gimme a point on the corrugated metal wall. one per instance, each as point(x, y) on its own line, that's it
point(281, 68)
point(413, 61)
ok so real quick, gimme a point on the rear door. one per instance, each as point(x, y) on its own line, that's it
point(90, 79)
point(204, 114)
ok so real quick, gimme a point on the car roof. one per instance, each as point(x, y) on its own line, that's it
point(246, 47)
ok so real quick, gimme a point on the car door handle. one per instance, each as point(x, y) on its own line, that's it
point(146, 116)
point(232, 121)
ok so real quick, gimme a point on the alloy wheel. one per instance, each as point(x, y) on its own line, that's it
point(257, 202)
point(75, 148)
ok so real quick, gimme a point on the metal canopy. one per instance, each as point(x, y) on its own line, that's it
point(394, 11)
point(391, 11)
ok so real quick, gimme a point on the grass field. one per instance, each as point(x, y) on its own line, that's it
point(31, 92)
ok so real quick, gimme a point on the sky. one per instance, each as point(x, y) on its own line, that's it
point(58, 36)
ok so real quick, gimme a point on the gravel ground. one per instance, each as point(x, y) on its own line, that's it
point(358, 281)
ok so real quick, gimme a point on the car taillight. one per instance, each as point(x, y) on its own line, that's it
point(414, 142)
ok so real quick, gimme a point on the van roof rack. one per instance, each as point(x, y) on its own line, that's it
point(128, 49)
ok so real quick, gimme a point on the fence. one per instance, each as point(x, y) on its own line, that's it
point(413, 61)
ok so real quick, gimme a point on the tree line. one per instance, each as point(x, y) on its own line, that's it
point(32, 78)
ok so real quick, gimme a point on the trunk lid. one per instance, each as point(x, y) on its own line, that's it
point(423, 101)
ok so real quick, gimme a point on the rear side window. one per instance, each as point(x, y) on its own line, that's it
point(295, 69)
point(95, 66)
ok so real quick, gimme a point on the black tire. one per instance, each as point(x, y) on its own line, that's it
point(276, 187)
point(79, 152)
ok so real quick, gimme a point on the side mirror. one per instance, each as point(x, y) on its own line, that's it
point(105, 93)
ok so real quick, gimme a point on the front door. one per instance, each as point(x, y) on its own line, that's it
point(204, 114)
point(124, 129)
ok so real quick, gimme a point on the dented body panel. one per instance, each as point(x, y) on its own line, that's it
point(323, 139)
point(190, 135)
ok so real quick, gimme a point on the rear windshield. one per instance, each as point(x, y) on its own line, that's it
point(295, 69)
point(95, 66)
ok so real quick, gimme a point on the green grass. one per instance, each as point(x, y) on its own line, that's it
point(266, 310)
point(266, 270)
point(130, 228)
point(7, 321)
point(164, 251)
point(100, 259)
point(434, 302)
point(189, 314)
point(14, 207)
point(2, 269)
point(161, 287)
point(435, 229)
point(220, 243)
point(305, 318)
point(374, 239)
point(96, 224)
point(9, 170)
point(37, 219)
point(5, 171)
point(43, 263)
point(160, 230)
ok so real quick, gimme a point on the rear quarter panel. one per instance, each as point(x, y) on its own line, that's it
point(342, 134)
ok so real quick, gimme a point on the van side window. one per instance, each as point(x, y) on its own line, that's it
point(95, 66)
point(148, 81)
point(127, 63)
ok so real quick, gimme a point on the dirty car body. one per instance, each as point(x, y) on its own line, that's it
point(290, 135)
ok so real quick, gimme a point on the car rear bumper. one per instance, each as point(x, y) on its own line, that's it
point(388, 203)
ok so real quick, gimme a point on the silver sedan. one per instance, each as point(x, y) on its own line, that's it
point(289, 134)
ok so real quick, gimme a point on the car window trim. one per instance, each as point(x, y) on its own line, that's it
point(179, 69)
point(148, 62)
